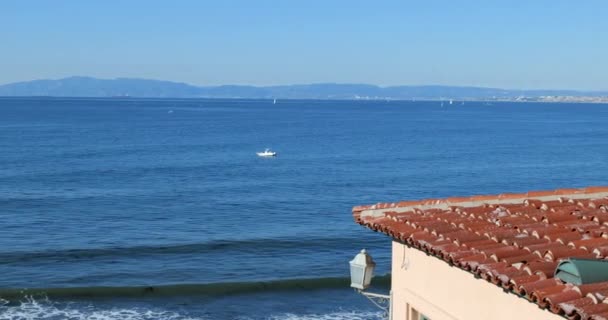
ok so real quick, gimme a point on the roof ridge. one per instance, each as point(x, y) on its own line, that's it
point(475, 200)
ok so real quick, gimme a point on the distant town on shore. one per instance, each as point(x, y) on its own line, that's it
point(146, 88)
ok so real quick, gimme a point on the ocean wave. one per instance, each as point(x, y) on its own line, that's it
point(208, 289)
point(243, 245)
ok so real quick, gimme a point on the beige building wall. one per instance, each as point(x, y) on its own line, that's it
point(425, 285)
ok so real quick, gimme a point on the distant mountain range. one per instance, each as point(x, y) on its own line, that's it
point(145, 88)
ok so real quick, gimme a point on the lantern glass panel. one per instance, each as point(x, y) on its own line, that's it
point(357, 276)
point(369, 274)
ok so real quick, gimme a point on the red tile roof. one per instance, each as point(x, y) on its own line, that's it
point(512, 240)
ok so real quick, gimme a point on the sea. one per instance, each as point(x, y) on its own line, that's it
point(125, 208)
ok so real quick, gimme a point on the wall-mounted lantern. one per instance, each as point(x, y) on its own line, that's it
point(361, 274)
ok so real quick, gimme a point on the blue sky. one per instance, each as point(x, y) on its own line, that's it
point(555, 44)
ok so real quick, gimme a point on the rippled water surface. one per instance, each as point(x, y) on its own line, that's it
point(170, 195)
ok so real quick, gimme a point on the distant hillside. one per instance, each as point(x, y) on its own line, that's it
point(92, 87)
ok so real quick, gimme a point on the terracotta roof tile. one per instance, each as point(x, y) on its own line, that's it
point(539, 295)
point(525, 278)
point(438, 245)
point(555, 233)
point(458, 258)
point(499, 248)
point(567, 237)
point(533, 203)
point(592, 287)
point(587, 312)
point(477, 212)
point(602, 232)
point(512, 240)
point(407, 203)
point(564, 192)
point(544, 247)
point(486, 247)
point(599, 296)
point(597, 216)
point(510, 196)
point(557, 217)
point(581, 225)
point(572, 307)
point(460, 236)
point(600, 252)
point(512, 221)
point(526, 211)
point(557, 253)
point(500, 234)
point(505, 252)
point(472, 262)
point(596, 189)
point(520, 259)
point(502, 276)
point(546, 268)
point(457, 199)
point(482, 198)
point(527, 289)
point(525, 241)
point(598, 203)
point(599, 316)
point(588, 244)
point(474, 241)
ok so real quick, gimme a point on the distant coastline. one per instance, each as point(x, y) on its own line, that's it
point(565, 99)
point(555, 99)
point(81, 87)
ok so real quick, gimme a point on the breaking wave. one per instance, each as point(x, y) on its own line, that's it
point(44, 309)
point(208, 289)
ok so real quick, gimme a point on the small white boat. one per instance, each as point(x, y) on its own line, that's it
point(267, 153)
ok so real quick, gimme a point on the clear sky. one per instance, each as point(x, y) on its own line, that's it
point(554, 44)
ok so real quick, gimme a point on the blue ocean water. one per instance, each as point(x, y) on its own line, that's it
point(166, 201)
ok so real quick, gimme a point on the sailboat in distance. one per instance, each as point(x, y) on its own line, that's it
point(274, 101)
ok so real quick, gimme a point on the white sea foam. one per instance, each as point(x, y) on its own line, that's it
point(43, 309)
point(340, 315)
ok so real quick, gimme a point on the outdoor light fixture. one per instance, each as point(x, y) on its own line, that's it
point(361, 274)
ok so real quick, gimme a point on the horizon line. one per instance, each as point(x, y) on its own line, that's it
point(302, 84)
